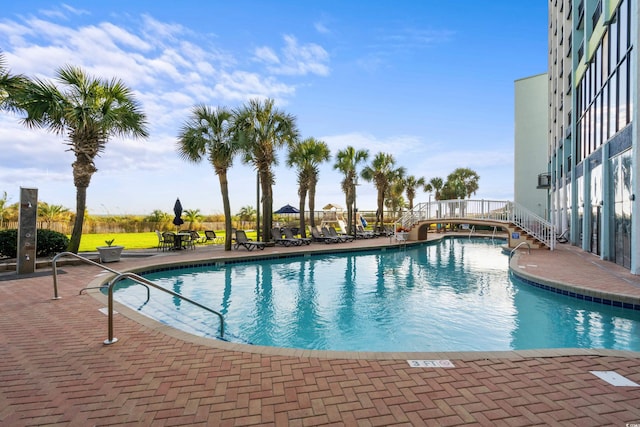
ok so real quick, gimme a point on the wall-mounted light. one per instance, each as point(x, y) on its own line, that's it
point(632, 197)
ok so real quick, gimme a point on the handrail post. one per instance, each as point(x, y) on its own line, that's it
point(111, 339)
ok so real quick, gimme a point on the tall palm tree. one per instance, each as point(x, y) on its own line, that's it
point(207, 132)
point(393, 199)
point(411, 184)
point(262, 129)
point(347, 162)
point(382, 172)
point(464, 181)
point(89, 111)
point(435, 184)
point(306, 156)
point(11, 86)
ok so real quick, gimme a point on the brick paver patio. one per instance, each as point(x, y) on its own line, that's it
point(55, 369)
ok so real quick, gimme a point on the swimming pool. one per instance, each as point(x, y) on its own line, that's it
point(455, 295)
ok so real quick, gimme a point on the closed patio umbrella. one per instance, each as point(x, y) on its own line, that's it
point(177, 210)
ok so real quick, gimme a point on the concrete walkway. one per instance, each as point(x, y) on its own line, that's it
point(55, 369)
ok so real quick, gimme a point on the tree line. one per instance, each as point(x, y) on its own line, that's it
point(89, 111)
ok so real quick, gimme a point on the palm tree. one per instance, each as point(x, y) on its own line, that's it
point(246, 214)
point(207, 132)
point(347, 161)
point(51, 213)
point(435, 184)
point(262, 129)
point(393, 199)
point(193, 216)
point(4, 208)
point(464, 182)
point(306, 156)
point(411, 183)
point(11, 86)
point(89, 111)
point(382, 172)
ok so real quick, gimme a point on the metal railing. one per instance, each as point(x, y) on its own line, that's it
point(120, 276)
point(517, 246)
point(482, 210)
point(111, 339)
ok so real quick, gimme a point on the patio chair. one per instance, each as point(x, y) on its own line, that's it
point(169, 240)
point(361, 233)
point(276, 236)
point(341, 237)
point(211, 236)
point(318, 237)
point(245, 242)
point(161, 242)
point(288, 233)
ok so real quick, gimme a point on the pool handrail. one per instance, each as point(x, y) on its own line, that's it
point(517, 246)
point(136, 278)
point(54, 264)
point(119, 276)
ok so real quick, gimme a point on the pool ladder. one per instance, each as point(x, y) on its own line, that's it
point(111, 285)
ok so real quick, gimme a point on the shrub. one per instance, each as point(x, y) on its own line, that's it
point(49, 243)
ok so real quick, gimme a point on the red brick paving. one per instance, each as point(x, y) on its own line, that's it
point(55, 370)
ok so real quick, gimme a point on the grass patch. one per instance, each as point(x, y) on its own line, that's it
point(90, 242)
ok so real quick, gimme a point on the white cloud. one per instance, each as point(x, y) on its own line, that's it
point(295, 59)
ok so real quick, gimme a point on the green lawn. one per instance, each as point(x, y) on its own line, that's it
point(90, 242)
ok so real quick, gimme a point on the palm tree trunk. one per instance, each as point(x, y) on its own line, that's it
point(267, 202)
point(81, 205)
point(380, 212)
point(224, 188)
point(312, 205)
point(302, 222)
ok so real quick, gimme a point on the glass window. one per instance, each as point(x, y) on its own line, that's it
point(605, 112)
point(624, 27)
point(613, 107)
point(613, 43)
point(623, 96)
point(597, 122)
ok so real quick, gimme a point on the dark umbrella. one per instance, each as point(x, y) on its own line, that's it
point(287, 209)
point(177, 210)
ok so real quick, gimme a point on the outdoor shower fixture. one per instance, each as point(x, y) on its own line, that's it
point(27, 217)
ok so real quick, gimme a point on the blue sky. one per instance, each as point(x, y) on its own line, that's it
point(430, 82)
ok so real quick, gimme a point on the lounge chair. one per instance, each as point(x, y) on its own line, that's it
point(248, 244)
point(361, 233)
point(341, 237)
point(276, 236)
point(317, 237)
point(288, 233)
point(210, 236)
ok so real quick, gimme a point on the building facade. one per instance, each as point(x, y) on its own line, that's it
point(593, 150)
point(530, 187)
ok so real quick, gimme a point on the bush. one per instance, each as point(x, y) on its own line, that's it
point(49, 243)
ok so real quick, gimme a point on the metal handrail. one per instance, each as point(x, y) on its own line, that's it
point(111, 339)
point(517, 246)
point(502, 211)
point(119, 276)
point(81, 258)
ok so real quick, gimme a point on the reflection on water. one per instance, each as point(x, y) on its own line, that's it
point(455, 295)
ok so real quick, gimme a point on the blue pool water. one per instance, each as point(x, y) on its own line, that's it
point(456, 295)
